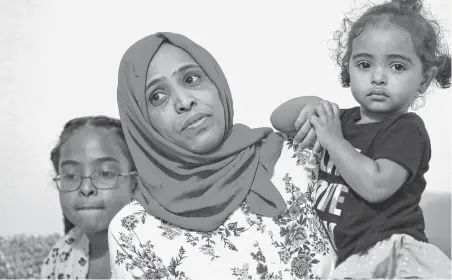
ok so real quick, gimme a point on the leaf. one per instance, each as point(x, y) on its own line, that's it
point(261, 269)
point(315, 261)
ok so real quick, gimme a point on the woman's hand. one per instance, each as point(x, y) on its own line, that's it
point(326, 123)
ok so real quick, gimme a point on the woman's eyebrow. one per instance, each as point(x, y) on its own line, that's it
point(184, 68)
point(178, 70)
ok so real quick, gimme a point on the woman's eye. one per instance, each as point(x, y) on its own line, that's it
point(364, 65)
point(191, 80)
point(157, 98)
point(398, 67)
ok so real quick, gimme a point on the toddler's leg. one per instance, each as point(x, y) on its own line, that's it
point(423, 260)
point(400, 256)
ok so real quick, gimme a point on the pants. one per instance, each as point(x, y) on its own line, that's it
point(400, 256)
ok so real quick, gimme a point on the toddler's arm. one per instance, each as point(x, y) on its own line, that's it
point(284, 116)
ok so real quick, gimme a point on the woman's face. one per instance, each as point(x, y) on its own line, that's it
point(184, 105)
point(87, 151)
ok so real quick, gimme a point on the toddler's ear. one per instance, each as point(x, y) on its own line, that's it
point(428, 76)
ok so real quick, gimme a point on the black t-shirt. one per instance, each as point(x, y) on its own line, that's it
point(354, 225)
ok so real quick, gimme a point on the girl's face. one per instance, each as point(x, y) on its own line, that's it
point(90, 150)
point(385, 71)
point(184, 105)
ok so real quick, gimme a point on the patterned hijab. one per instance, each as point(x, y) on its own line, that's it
point(189, 190)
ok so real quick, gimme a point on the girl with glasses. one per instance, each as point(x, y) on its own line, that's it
point(95, 179)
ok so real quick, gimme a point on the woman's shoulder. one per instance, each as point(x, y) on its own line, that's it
point(129, 215)
point(295, 167)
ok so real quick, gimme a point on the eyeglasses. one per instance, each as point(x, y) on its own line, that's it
point(103, 180)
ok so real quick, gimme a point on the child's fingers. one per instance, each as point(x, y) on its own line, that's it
point(315, 122)
point(317, 147)
point(336, 110)
point(303, 131)
point(321, 112)
point(303, 117)
point(308, 140)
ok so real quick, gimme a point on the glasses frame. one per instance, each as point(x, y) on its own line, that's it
point(56, 179)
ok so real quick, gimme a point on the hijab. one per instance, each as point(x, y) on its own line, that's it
point(189, 190)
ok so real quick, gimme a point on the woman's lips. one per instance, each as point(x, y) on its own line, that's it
point(194, 121)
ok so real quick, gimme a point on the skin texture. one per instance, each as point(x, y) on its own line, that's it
point(385, 72)
point(386, 75)
point(85, 152)
point(176, 89)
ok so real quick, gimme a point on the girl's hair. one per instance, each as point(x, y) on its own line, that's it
point(425, 34)
point(75, 124)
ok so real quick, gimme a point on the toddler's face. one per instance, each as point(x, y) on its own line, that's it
point(385, 71)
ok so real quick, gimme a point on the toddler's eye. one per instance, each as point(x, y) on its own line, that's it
point(364, 65)
point(398, 67)
point(191, 80)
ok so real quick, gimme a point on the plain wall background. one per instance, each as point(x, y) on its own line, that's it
point(59, 60)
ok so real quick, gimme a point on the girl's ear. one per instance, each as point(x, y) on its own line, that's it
point(427, 78)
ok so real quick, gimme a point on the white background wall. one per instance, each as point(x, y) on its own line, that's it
point(59, 60)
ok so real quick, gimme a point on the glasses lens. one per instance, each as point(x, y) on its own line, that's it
point(105, 179)
point(68, 182)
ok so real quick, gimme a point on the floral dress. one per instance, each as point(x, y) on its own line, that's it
point(68, 258)
point(293, 245)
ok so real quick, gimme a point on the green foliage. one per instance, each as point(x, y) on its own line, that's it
point(21, 255)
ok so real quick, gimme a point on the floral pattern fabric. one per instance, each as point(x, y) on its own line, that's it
point(68, 258)
point(293, 245)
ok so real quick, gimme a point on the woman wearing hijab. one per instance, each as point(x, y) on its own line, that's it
point(216, 200)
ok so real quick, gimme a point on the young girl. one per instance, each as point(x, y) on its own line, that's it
point(95, 179)
point(375, 156)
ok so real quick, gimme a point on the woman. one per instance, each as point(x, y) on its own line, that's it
point(95, 180)
point(214, 201)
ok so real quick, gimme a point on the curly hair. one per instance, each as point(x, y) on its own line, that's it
point(408, 14)
point(75, 124)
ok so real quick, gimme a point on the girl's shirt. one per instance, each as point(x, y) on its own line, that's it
point(354, 224)
point(68, 258)
point(247, 246)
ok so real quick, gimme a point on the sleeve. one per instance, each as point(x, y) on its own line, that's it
point(131, 254)
point(404, 143)
point(49, 263)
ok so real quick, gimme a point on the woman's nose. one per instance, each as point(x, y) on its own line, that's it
point(184, 100)
point(87, 188)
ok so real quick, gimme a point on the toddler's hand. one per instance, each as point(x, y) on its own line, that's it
point(306, 135)
point(327, 123)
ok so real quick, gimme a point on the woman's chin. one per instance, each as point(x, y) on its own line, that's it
point(204, 143)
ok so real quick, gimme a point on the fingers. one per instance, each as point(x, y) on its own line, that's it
point(328, 107)
point(336, 110)
point(303, 132)
point(304, 115)
point(315, 122)
point(308, 140)
point(321, 112)
point(317, 147)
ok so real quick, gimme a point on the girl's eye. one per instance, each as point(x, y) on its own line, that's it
point(398, 67)
point(107, 174)
point(364, 65)
point(157, 98)
point(191, 80)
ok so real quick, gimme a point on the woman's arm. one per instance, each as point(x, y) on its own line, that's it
point(284, 116)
